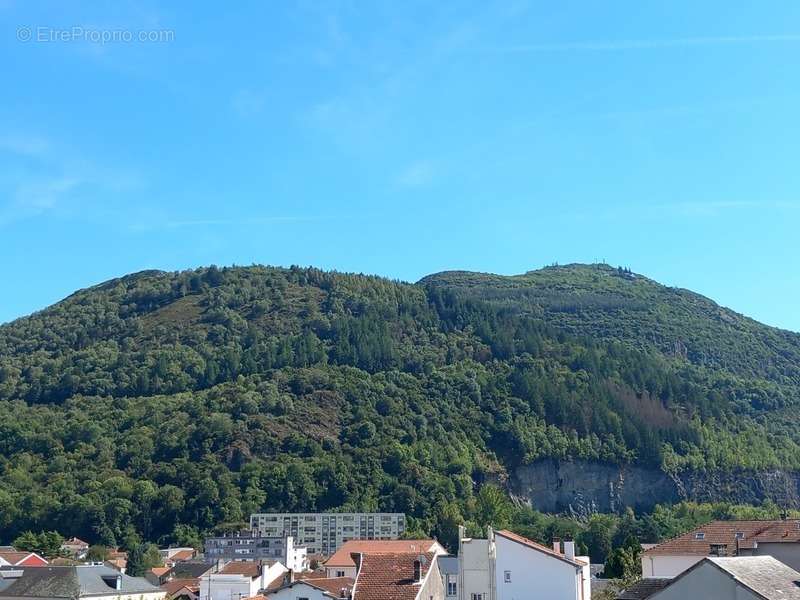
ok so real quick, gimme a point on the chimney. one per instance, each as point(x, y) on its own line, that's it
point(417, 571)
point(569, 549)
point(557, 545)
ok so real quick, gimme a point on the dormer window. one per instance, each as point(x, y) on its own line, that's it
point(699, 535)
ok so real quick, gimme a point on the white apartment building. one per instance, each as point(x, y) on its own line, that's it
point(507, 566)
point(240, 579)
point(324, 533)
point(250, 546)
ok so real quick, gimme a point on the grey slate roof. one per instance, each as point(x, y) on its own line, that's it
point(448, 565)
point(643, 589)
point(189, 570)
point(764, 575)
point(70, 582)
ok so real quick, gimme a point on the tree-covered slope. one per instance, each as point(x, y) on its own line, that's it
point(164, 403)
point(614, 304)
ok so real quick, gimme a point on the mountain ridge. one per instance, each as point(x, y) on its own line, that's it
point(189, 399)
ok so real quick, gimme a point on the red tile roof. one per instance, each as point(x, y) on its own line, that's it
point(331, 585)
point(176, 585)
point(26, 559)
point(182, 555)
point(390, 576)
point(241, 567)
point(13, 557)
point(733, 534)
point(342, 558)
point(510, 535)
point(159, 571)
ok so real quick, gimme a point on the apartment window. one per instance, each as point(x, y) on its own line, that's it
point(477, 596)
point(719, 550)
point(451, 586)
point(699, 535)
point(507, 576)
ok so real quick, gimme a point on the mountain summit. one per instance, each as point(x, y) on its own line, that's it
point(161, 400)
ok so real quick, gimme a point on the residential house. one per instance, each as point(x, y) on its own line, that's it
point(182, 589)
point(117, 559)
point(397, 576)
point(250, 545)
point(75, 548)
point(240, 579)
point(780, 538)
point(448, 569)
point(171, 556)
point(324, 588)
point(341, 564)
point(157, 575)
point(21, 559)
point(734, 578)
point(324, 533)
point(190, 569)
point(507, 566)
point(95, 582)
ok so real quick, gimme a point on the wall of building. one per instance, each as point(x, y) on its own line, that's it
point(340, 572)
point(432, 588)
point(534, 575)
point(298, 591)
point(706, 582)
point(475, 565)
point(324, 533)
point(228, 587)
point(667, 566)
point(786, 552)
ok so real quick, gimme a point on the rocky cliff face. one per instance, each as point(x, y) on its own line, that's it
point(582, 487)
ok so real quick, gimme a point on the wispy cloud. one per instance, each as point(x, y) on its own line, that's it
point(417, 174)
point(42, 177)
point(155, 224)
point(30, 145)
point(610, 45)
point(247, 102)
point(718, 207)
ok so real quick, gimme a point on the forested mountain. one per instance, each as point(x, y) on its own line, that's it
point(164, 403)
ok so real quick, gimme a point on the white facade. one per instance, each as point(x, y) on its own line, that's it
point(666, 565)
point(324, 533)
point(234, 586)
point(502, 568)
point(340, 572)
point(295, 558)
point(298, 591)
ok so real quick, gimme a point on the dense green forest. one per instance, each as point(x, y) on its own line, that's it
point(160, 405)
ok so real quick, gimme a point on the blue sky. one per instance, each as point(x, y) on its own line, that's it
point(402, 139)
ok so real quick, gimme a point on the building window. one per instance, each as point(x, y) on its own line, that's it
point(699, 535)
point(477, 596)
point(451, 588)
point(507, 576)
point(740, 535)
point(719, 550)
point(340, 573)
